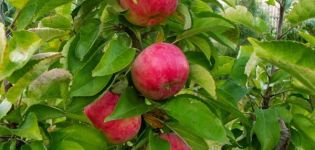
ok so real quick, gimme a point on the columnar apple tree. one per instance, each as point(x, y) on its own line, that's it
point(155, 75)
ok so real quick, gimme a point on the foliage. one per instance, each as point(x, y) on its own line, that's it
point(58, 56)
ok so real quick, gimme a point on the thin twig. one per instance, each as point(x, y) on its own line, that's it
point(12, 25)
point(285, 33)
point(7, 85)
point(276, 94)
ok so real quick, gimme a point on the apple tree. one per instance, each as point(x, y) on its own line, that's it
point(156, 75)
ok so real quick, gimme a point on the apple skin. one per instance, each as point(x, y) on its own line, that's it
point(116, 131)
point(160, 71)
point(148, 12)
point(175, 141)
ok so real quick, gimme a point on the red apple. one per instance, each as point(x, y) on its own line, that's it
point(148, 12)
point(160, 71)
point(116, 131)
point(176, 142)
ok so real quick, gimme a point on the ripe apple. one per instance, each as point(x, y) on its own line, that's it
point(148, 12)
point(176, 142)
point(160, 71)
point(116, 131)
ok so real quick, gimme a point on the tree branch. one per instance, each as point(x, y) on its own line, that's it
point(281, 16)
point(285, 136)
point(135, 42)
point(285, 132)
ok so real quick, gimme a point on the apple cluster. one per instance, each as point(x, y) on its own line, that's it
point(159, 72)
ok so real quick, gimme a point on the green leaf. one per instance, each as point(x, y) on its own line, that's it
point(305, 126)
point(196, 117)
point(302, 11)
point(69, 145)
point(3, 41)
point(202, 25)
point(239, 68)
point(284, 113)
point(203, 77)
point(301, 102)
point(29, 128)
point(223, 66)
point(233, 90)
point(88, 34)
point(50, 84)
point(4, 131)
point(65, 10)
point(194, 141)
point(300, 141)
point(226, 38)
point(36, 145)
point(241, 15)
point(129, 105)
point(26, 14)
point(35, 59)
point(48, 34)
point(5, 107)
point(301, 65)
point(86, 137)
point(78, 103)
point(116, 6)
point(20, 49)
point(182, 9)
point(310, 38)
point(56, 21)
point(44, 112)
point(231, 3)
point(18, 3)
point(251, 64)
point(224, 102)
point(120, 86)
point(85, 11)
point(214, 2)
point(15, 92)
point(49, 5)
point(84, 84)
point(10, 145)
point(156, 143)
point(202, 44)
point(72, 63)
point(117, 56)
point(35, 9)
point(271, 2)
point(267, 128)
point(199, 7)
point(198, 58)
point(15, 115)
